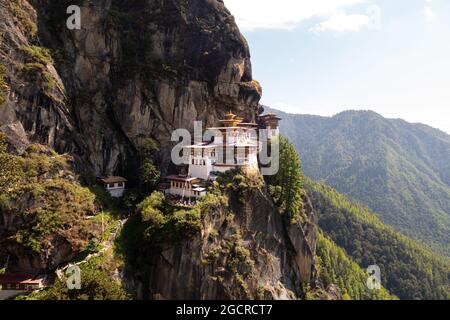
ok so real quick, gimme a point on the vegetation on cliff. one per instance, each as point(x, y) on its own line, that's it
point(159, 222)
point(24, 17)
point(286, 187)
point(39, 192)
point(11, 170)
point(164, 221)
point(224, 249)
point(148, 170)
point(408, 270)
point(238, 183)
point(98, 282)
point(37, 61)
point(3, 85)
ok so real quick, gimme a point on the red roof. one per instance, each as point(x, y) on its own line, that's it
point(19, 278)
point(269, 116)
point(109, 180)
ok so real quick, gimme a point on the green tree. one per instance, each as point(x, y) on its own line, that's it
point(130, 199)
point(148, 171)
point(151, 209)
point(286, 186)
point(96, 284)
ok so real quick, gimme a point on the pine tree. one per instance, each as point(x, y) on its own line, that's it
point(287, 185)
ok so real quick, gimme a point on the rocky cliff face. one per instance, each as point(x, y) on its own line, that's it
point(46, 217)
point(245, 250)
point(136, 69)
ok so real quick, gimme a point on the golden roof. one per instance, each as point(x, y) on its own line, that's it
point(231, 120)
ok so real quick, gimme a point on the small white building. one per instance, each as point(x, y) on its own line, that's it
point(115, 186)
point(185, 187)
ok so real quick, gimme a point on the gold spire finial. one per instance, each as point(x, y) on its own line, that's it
point(231, 120)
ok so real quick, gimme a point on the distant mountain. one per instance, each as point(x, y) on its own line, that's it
point(398, 169)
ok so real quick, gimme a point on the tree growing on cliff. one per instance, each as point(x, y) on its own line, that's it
point(286, 187)
point(148, 172)
point(151, 207)
point(97, 284)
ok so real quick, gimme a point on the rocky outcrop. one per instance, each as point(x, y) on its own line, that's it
point(244, 251)
point(136, 69)
point(46, 217)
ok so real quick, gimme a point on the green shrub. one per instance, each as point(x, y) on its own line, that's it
point(213, 201)
point(38, 58)
point(96, 284)
point(37, 54)
point(237, 181)
point(130, 199)
point(45, 222)
point(38, 192)
point(23, 18)
point(161, 222)
point(187, 220)
point(150, 209)
point(61, 204)
point(48, 82)
point(11, 171)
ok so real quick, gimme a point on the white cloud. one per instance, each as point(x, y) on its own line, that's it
point(282, 14)
point(342, 22)
point(428, 12)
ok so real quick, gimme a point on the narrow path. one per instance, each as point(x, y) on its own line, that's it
point(106, 245)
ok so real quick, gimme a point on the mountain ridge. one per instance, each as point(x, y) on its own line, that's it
point(399, 169)
point(356, 111)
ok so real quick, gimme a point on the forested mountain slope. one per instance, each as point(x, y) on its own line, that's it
point(335, 266)
point(408, 269)
point(398, 169)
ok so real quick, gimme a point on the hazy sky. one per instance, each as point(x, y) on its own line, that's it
point(325, 56)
